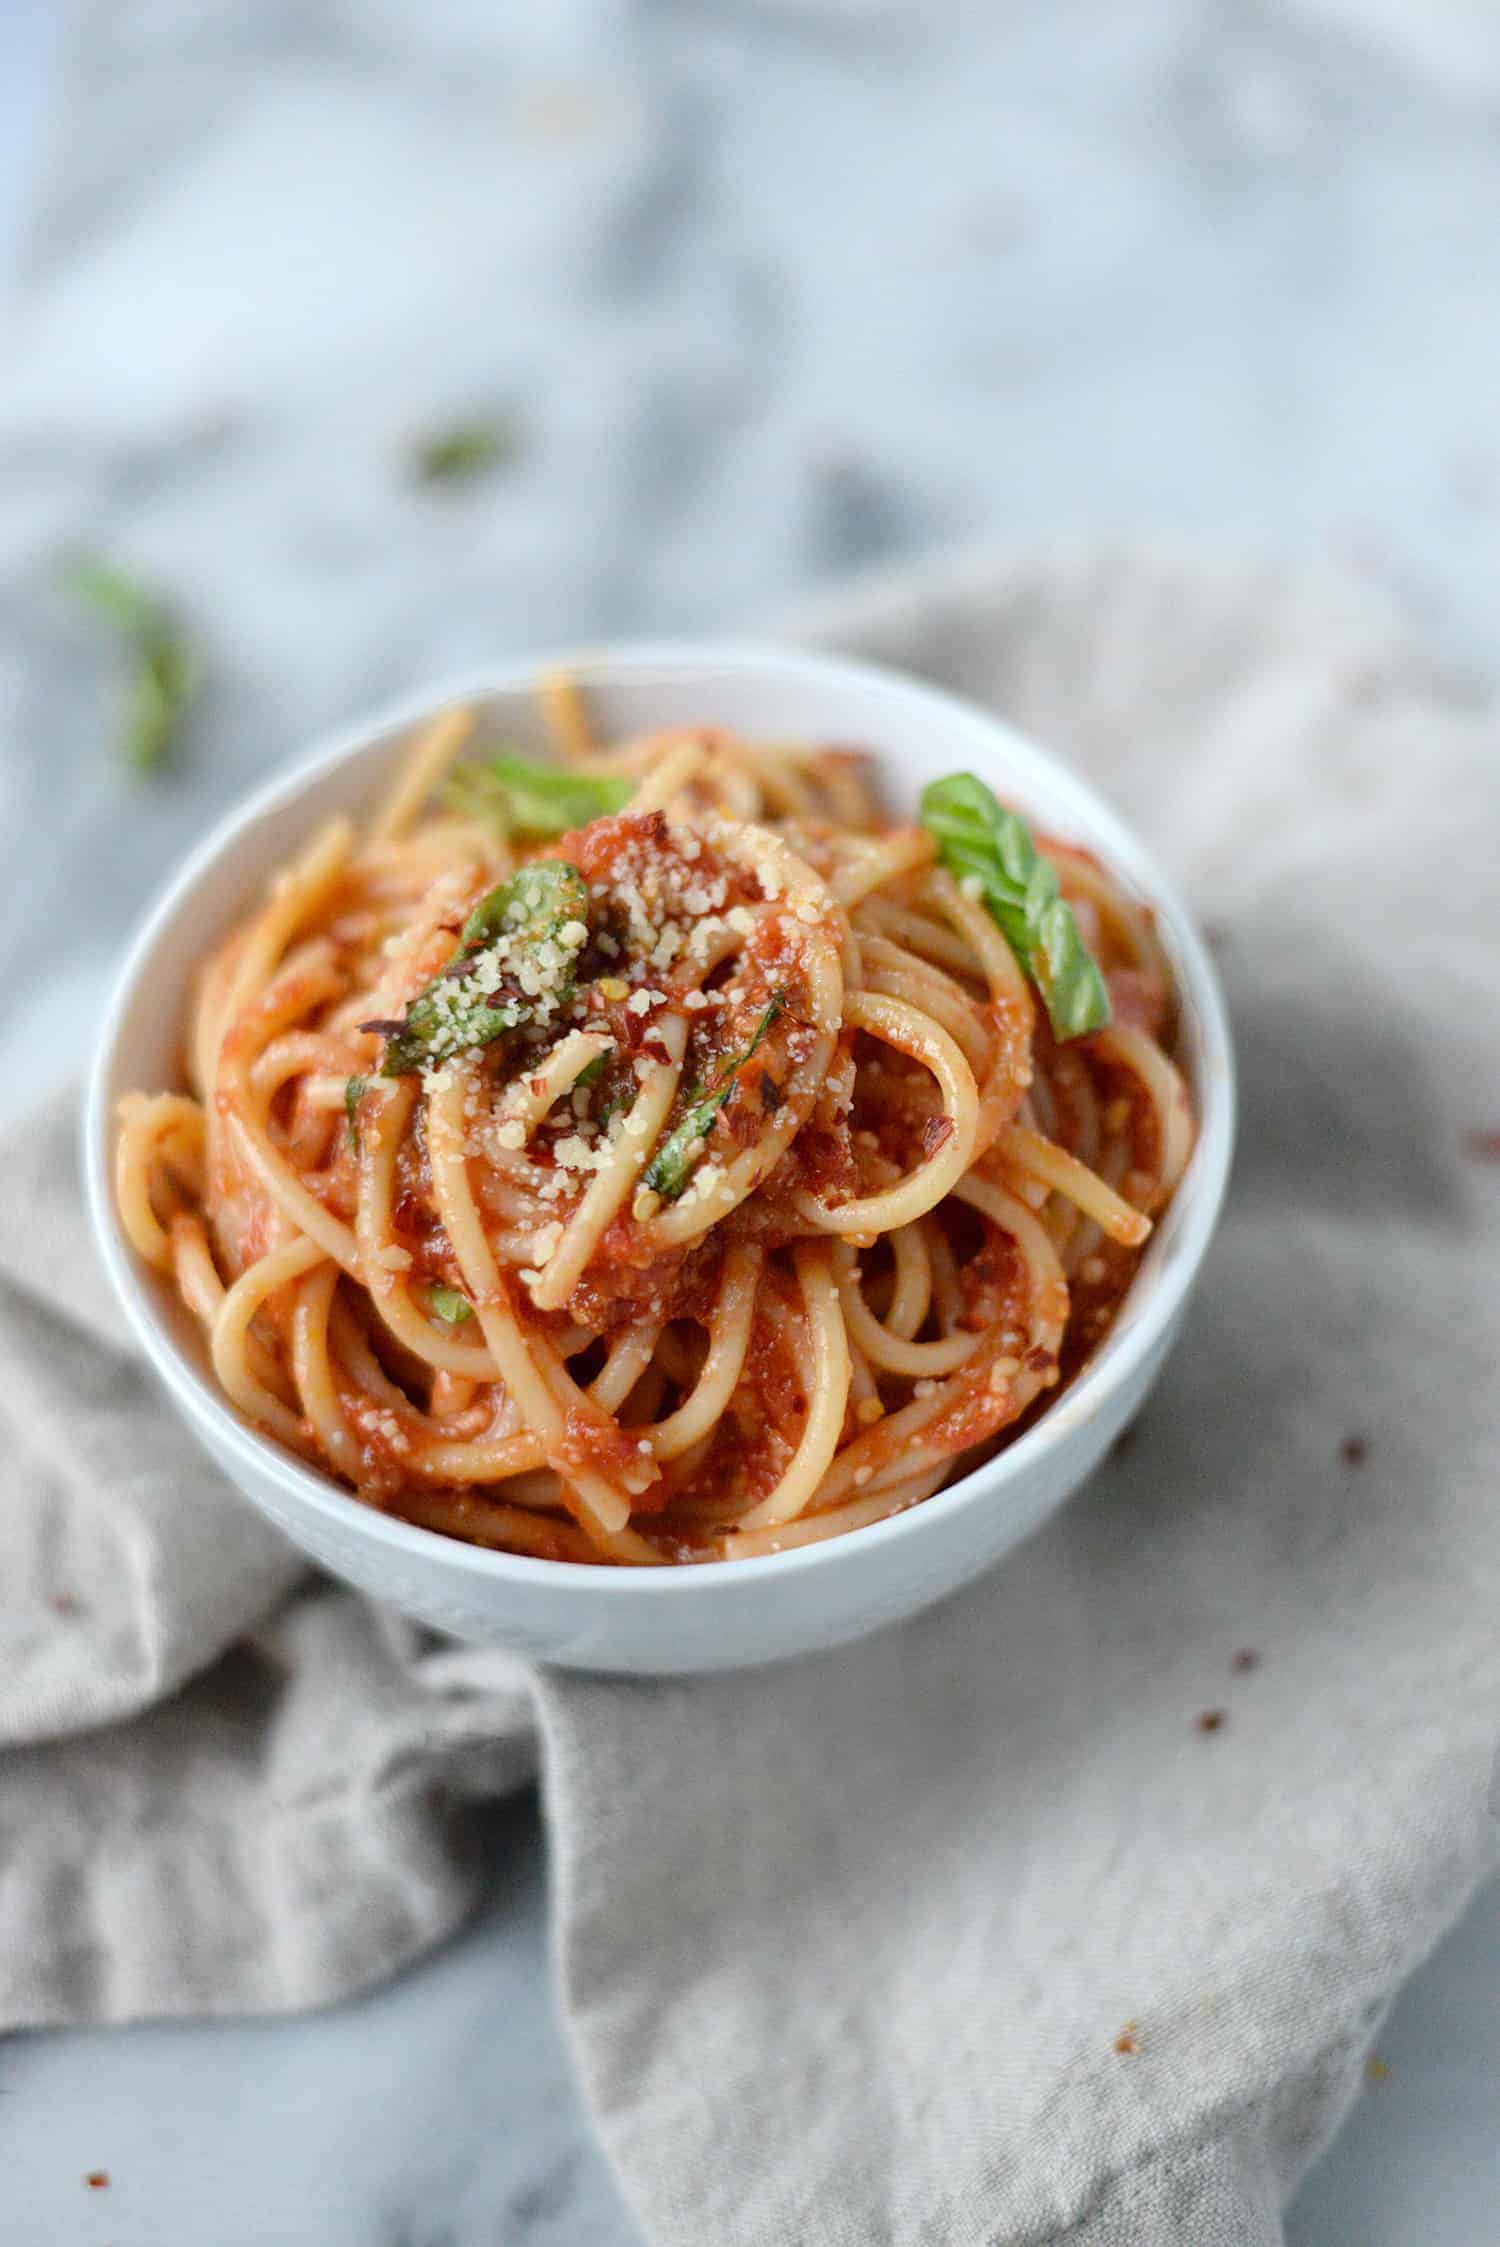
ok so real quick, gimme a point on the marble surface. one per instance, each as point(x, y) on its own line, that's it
point(772, 288)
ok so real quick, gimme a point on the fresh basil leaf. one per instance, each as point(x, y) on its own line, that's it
point(354, 1092)
point(546, 799)
point(984, 844)
point(447, 1304)
point(590, 1073)
point(520, 796)
point(671, 1166)
point(474, 793)
point(164, 667)
point(478, 995)
point(614, 1101)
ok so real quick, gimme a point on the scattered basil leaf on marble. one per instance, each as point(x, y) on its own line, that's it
point(466, 450)
point(164, 667)
point(988, 849)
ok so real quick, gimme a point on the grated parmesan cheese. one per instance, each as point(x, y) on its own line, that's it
point(575, 1153)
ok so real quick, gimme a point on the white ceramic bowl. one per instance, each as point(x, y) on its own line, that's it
point(720, 1615)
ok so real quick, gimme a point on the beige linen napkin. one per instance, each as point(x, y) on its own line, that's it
point(848, 1949)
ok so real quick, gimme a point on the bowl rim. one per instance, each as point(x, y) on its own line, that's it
point(1195, 1207)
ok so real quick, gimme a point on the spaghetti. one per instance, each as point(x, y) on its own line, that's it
point(695, 1183)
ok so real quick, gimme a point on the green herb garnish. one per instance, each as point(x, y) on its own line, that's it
point(611, 1108)
point(164, 668)
point(591, 1072)
point(981, 841)
point(537, 920)
point(671, 1166)
point(354, 1092)
point(519, 796)
point(466, 451)
point(447, 1304)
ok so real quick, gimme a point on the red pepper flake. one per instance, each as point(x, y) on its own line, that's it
point(1128, 2039)
point(64, 1603)
point(1245, 1659)
point(935, 1131)
point(1212, 1720)
point(1038, 1359)
point(1484, 1146)
point(97, 2180)
point(1352, 1451)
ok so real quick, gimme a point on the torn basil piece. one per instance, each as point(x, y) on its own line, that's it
point(671, 1166)
point(466, 450)
point(514, 963)
point(164, 665)
point(517, 795)
point(988, 847)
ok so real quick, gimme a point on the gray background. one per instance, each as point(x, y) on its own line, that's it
point(1221, 268)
